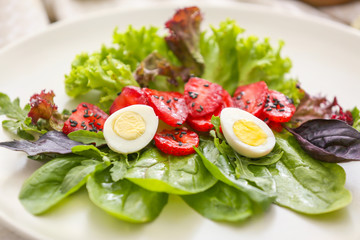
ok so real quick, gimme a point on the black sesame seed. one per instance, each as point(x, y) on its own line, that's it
point(169, 108)
point(176, 133)
point(281, 105)
point(193, 104)
point(180, 144)
point(157, 97)
point(201, 107)
point(268, 110)
point(266, 119)
point(198, 110)
point(84, 127)
point(179, 123)
point(84, 105)
point(95, 115)
point(168, 101)
point(238, 97)
point(273, 106)
point(248, 101)
point(183, 133)
point(73, 124)
point(98, 117)
point(266, 105)
point(175, 99)
point(180, 136)
point(161, 97)
point(119, 93)
point(242, 93)
point(281, 110)
point(259, 104)
point(74, 110)
point(86, 115)
point(99, 124)
point(206, 85)
point(247, 106)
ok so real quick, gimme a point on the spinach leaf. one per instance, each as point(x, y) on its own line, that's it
point(220, 166)
point(88, 151)
point(305, 184)
point(160, 172)
point(124, 199)
point(43, 189)
point(79, 174)
point(221, 203)
point(88, 137)
point(51, 142)
point(119, 170)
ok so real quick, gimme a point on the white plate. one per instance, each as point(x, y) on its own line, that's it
point(325, 56)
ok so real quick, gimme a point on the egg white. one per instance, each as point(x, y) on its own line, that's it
point(229, 116)
point(121, 145)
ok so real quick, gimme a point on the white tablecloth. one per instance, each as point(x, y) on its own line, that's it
point(20, 18)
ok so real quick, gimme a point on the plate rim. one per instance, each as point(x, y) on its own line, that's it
point(242, 6)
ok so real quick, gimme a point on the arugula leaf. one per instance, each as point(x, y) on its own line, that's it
point(51, 142)
point(20, 124)
point(42, 190)
point(88, 137)
point(305, 184)
point(221, 203)
point(160, 172)
point(123, 199)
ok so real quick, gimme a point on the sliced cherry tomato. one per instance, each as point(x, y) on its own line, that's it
point(278, 107)
point(203, 124)
point(168, 106)
point(251, 97)
point(130, 95)
point(177, 142)
point(85, 117)
point(202, 97)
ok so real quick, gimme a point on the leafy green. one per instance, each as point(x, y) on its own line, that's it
point(160, 172)
point(220, 167)
point(50, 142)
point(20, 124)
point(88, 137)
point(356, 117)
point(79, 174)
point(221, 203)
point(124, 199)
point(106, 74)
point(232, 59)
point(88, 151)
point(119, 170)
point(43, 189)
point(305, 184)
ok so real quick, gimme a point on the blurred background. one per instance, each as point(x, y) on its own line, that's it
point(19, 18)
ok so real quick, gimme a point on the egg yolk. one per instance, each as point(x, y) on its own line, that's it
point(129, 125)
point(249, 133)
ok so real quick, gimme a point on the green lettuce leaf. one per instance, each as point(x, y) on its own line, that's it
point(232, 59)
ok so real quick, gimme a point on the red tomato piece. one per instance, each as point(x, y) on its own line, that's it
point(85, 117)
point(251, 97)
point(203, 124)
point(130, 95)
point(278, 107)
point(202, 97)
point(177, 142)
point(170, 107)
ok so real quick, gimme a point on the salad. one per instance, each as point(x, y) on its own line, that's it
point(211, 116)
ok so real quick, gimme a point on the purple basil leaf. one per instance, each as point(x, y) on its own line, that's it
point(328, 140)
point(51, 142)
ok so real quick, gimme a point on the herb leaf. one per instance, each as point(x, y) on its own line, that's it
point(328, 140)
point(51, 142)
